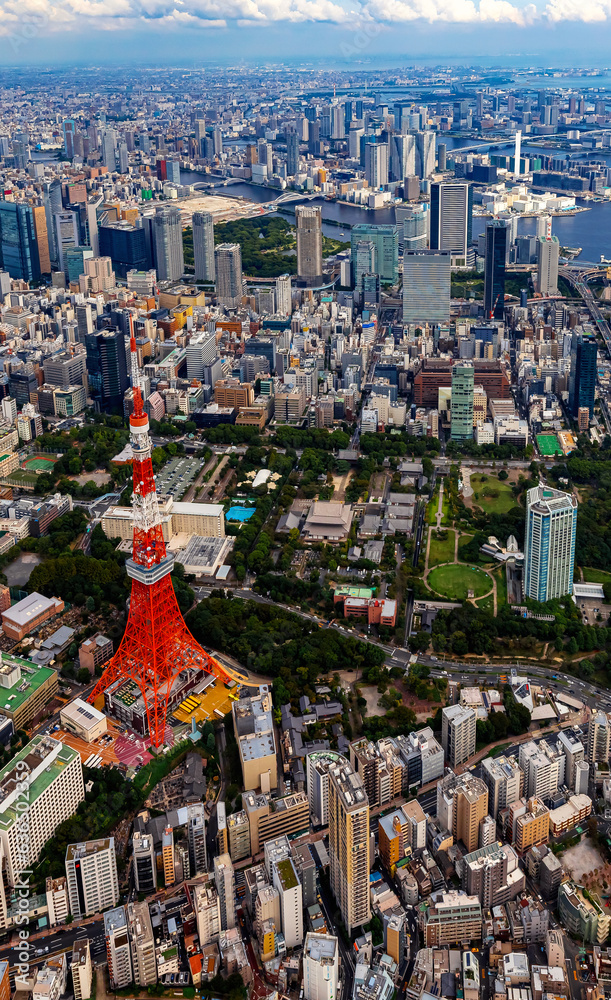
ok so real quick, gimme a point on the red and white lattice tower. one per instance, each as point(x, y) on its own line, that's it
point(157, 644)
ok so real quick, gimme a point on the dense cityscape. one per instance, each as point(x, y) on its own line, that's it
point(305, 533)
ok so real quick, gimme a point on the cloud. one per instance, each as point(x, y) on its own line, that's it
point(48, 16)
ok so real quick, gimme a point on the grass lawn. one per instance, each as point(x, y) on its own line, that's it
point(500, 576)
point(455, 581)
point(431, 509)
point(441, 550)
point(592, 575)
point(486, 603)
point(492, 495)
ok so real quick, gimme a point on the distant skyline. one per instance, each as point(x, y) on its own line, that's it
point(340, 32)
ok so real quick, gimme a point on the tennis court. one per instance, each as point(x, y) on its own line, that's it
point(38, 463)
point(548, 444)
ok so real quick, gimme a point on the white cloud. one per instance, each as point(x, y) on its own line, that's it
point(82, 15)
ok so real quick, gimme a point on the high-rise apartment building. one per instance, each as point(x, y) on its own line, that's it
point(167, 240)
point(458, 736)
point(145, 867)
point(81, 969)
point(582, 379)
point(284, 302)
point(196, 838)
point(142, 942)
point(497, 242)
point(203, 246)
point(225, 886)
point(426, 286)
point(320, 967)
point(91, 874)
point(118, 949)
point(548, 254)
point(167, 856)
point(599, 737)
point(402, 157)
point(549, 549)
point(376, 164)
point(505, 780)
point(461, 401)
point(207, 912)
point(469, 808)
point(349, 845)
point(228, 266)
point(451, 219)
point(543, 769)
point(292, 154)
point(317, 767)
point(55, 791)
point(309, 244)
point(425, 154)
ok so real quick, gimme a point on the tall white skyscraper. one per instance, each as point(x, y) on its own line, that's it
point(109, 149)
point(349, 845)
point(548, 254)
point(228, 266)
point(167, 234)
point(402, 157)
point(66, 235)
point(284, 295)
point(549, 549)
point(425, 154)
point(203, 246)
point(376, 164)
point(320, 967)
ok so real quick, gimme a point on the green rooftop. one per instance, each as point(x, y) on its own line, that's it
point(363, 592)
point(287, 874)
point(32, 678)
point(40, 750)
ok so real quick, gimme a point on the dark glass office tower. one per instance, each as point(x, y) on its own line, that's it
point(497, 235)
point(582, 381)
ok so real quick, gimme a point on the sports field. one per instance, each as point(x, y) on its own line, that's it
point(456, 581)
point(38, 463)
point(548, 444)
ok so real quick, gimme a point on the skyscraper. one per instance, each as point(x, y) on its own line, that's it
point(225, 886)
point(497, 236)
point(549, 549)
point(109, 146)
point(425, 154)
point(228, 266)
point(548, 252)
point(18, 244)
point(349, 845)
point(167, 236)
point(284, 304)
point(365, 261)
point(426, 286)
point(386, 242)
point(451, 219)
point(292, 153)
point(107, 368)
point(402, 157)
point(376, 164)
point(309, 244)
point(461, 402)
point(66, 236)
point(582, 380)
point(203, 246)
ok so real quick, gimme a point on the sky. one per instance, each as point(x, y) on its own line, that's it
point(337, 32)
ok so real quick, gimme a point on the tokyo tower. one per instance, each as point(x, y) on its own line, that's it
point(157, 645)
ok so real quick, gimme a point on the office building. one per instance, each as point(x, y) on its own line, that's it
point(167, 242)
point(142, 943)
point(497, 242)
point(349, 845)
point(320, 967)
point(65, 369)
point(107, 369)
point(451, 219)
point(228, 265)
point(254, 731)
point(56, 789)
point(57, 900)
point(91, 874)
point(505, 780)
point(19, 254)
point(426, 286)
point(203, 246)
point(82, 969)
point(461, 402)
point(452, 918)
point(549, 548)
point(599, 737)
point(284, 304)
point(385, 241)
point(548, 253)
point(225, 886)
point(126, 245)
point(458, 733)
point(196, 838)
point(309, 244)
point(582, 379)
point(66, 236)
point(493, 875)
point(145, 867)
point(570, 742)
point(286, 881)
point(269, 819)
point(425, 154)
point(238, 835)
point(118, 949)
point(413, 227)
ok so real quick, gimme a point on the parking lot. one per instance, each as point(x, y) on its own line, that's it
point(176, 476)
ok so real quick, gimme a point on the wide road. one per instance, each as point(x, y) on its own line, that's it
point(59, 941)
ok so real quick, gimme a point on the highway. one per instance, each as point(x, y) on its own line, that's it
point(578, 278)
